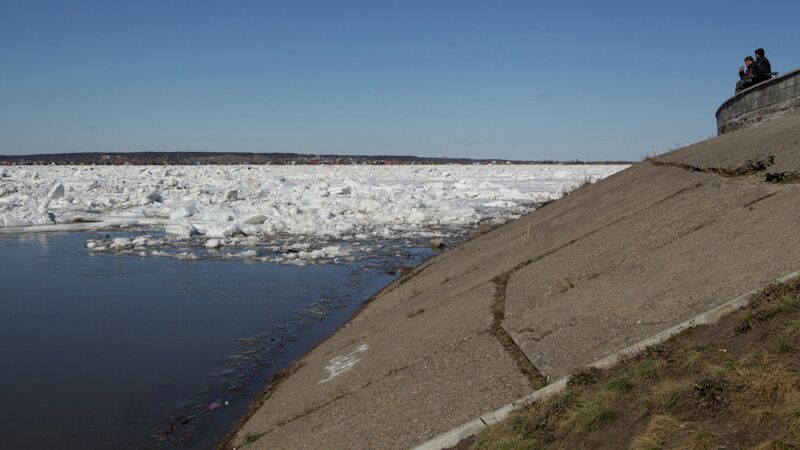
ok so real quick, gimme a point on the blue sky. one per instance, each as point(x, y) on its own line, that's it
point(502, 79)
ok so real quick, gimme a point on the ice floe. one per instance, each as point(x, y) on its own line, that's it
point(220, 206)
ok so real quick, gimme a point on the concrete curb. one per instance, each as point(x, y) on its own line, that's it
point(474, 426)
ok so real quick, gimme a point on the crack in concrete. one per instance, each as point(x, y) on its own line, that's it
point(598, 229)
point(525, 366)
point(503, 282)
point(750, 167)
point(763, 197)
point(541, 335)
point(536, 379)
point(783, 177)
point(681, 235)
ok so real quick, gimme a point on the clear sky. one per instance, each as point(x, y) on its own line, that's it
point(495, 79)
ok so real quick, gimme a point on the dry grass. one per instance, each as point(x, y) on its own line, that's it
point(589, 415)
point(621, 385)
point(566, 190)
point(655, 434)
point(664, 431)
point(735, 384)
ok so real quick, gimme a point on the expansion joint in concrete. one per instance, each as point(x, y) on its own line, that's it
point(525, 366)
point(535, 378)
point(749, 167)
point(454, 436)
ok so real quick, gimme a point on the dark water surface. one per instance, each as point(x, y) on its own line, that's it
point(113, 351)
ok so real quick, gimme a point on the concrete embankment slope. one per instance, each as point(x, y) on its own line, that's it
point(581, 278)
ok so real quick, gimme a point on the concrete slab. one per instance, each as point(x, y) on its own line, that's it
point(423, 337)
point(776, 139)
point(596, 300)
point(406, 406)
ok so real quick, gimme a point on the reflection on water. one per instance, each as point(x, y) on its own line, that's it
point(110, 351)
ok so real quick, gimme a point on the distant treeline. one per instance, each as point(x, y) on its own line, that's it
point(202, 158)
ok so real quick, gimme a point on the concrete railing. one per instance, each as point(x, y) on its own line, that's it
point(763, 101)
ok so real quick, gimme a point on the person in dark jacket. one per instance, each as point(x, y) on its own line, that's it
point(763, 69)
point(746, 74)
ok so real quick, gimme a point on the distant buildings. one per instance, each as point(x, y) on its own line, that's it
point(203, 158)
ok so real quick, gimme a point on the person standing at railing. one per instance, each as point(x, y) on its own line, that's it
point(763, 69)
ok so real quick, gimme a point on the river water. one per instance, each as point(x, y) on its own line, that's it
point(117, 351)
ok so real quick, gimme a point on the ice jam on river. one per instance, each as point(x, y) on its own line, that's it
point(154, 351)
point(281, 214)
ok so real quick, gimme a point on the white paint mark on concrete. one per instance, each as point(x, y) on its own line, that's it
point(342, 364)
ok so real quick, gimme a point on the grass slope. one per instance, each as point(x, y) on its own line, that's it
point(735, 384)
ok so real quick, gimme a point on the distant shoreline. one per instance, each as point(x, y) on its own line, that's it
point(239, 158)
